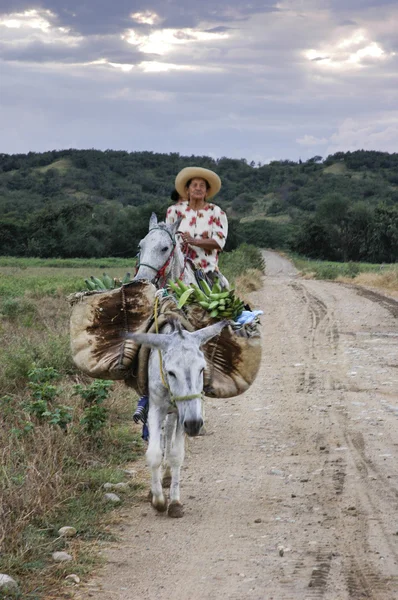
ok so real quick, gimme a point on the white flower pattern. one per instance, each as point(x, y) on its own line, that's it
point(208, 223)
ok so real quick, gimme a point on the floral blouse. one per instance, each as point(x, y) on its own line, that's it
point(207, 223)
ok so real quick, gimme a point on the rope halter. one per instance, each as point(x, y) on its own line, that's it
point(162, 271)
point(173, 399)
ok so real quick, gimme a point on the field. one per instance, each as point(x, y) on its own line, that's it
point(383, 277)
point(62, 434)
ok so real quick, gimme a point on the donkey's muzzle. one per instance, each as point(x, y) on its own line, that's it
point(192, 428)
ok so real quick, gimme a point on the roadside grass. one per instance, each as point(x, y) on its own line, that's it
point(381, 276)
point(66, 263)
point(52, 476)
point(236, 263)
point(53, 466)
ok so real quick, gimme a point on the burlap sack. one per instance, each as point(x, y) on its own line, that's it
point(99, 322)
point(233, 360)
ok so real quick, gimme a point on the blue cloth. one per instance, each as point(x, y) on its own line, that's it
point(141, 414)
point(247, 316)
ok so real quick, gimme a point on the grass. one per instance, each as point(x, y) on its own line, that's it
point(62, 165)
point(236, 263)
point(383, 277)
point(51, 476)
point(37, 281)
point(338, 168)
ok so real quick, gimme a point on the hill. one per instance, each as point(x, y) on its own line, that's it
point(92, 203)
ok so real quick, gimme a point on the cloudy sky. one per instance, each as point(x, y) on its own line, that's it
point(260, 80)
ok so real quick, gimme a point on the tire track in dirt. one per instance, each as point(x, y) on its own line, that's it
point(288, 496)
point(361, 578)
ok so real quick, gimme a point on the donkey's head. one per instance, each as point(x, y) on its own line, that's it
point(156, 249)
point(183, 365)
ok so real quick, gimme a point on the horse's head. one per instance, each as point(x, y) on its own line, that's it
point(183, 364)
point(156, 250)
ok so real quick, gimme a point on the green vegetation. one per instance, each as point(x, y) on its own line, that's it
point(88, 204)
point(62, 434)
point(236, 263)
point(320, 269)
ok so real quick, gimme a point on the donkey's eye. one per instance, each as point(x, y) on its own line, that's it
point(165, 249)
point(172, 374)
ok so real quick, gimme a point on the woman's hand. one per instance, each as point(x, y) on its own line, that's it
point(188, 239)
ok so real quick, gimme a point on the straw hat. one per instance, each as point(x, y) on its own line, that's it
point(190, 172)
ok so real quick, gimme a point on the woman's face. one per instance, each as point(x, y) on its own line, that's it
point(197, 189)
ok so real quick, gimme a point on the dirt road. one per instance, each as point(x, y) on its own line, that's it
point(293, 492)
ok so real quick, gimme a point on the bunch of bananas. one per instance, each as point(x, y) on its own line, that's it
point(219, 304)
point(106, 283)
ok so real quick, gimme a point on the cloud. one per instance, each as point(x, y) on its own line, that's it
point(310, 140)
point(92, 17)
point(222, 79)
point(354, 134)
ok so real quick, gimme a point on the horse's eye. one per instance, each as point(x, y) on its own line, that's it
point(172, 374)
point(165, 249)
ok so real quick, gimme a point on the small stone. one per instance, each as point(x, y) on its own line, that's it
point(275, 471)
point(257, 520)
point(113, 498)
point(130, 472)
point(67, 531)
point(122, 486)
point(8, 585)
point(281, 550)
point(72, 578)
point(304, 479)
point(61, 556)
point(108, 486)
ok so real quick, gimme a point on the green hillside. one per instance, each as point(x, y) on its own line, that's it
point(88, 203)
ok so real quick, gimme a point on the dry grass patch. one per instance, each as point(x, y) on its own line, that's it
point(386, 280)
point(251, 281)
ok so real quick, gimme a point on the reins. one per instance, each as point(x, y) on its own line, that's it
point(173, 399)
point(161, 273)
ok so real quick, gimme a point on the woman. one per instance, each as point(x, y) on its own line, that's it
point(204, 226)
point(203, 229)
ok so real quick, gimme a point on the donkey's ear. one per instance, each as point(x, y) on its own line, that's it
point(153, 221)
point(173, 228)
point(205, 334)
point(154, 340)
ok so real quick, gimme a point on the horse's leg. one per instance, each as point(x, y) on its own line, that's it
point(176, 458)
point(169, 429)
point(154, 456)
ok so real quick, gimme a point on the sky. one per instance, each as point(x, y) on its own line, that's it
point(259, 80)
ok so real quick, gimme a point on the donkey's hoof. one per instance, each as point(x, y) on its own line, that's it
point(176, 510)
point(159, 504)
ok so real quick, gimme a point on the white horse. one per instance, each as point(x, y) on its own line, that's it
point(175, 374)
point(161, 257)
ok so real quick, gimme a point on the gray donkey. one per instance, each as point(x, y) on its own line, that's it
point(175, 374)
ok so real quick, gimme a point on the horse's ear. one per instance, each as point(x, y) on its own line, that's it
point(175, 226)
point(205, 334)
point(153, 221)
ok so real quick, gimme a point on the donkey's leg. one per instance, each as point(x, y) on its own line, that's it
point(176, 459)
point(154, 456)
point(169, 429)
